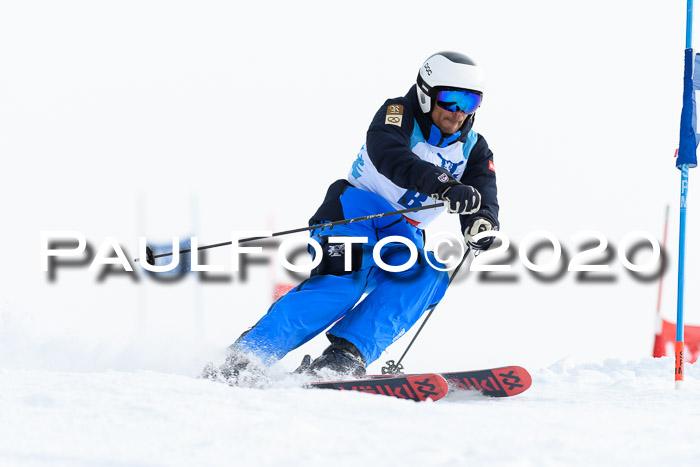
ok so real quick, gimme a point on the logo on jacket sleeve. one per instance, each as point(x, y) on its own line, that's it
point(491, 167)
point(394, 115)
point(444, 178)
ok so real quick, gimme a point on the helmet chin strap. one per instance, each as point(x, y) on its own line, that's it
point(469, 121)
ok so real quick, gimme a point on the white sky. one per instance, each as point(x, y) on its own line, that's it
point(173, 118)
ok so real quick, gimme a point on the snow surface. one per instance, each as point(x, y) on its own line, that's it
point(615, 413)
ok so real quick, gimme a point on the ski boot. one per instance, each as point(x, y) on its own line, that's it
point(340, 357)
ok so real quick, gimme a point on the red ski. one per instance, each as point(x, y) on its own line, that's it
point(495, 382)
point(414, 387)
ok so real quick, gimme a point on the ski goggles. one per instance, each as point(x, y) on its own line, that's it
point(454, 100)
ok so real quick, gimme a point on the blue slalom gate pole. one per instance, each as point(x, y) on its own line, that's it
point(687, 158)
point(689, 26)
point(680, 344)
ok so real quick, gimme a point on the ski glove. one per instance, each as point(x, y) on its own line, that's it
point(478, 225)
point(462, 199)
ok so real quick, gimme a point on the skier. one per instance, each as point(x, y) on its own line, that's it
point(419, 148)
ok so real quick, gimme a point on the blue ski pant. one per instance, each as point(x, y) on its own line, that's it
point(395, 301)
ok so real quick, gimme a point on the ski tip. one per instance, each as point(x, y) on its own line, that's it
point(513, 379)
point(495, 382)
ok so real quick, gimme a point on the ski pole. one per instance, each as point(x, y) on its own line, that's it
point(395, 368)
point(150, 257)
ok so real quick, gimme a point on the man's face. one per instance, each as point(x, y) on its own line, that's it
point(448, 122)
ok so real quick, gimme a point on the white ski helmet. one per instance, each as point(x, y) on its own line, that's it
point(447, 70)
